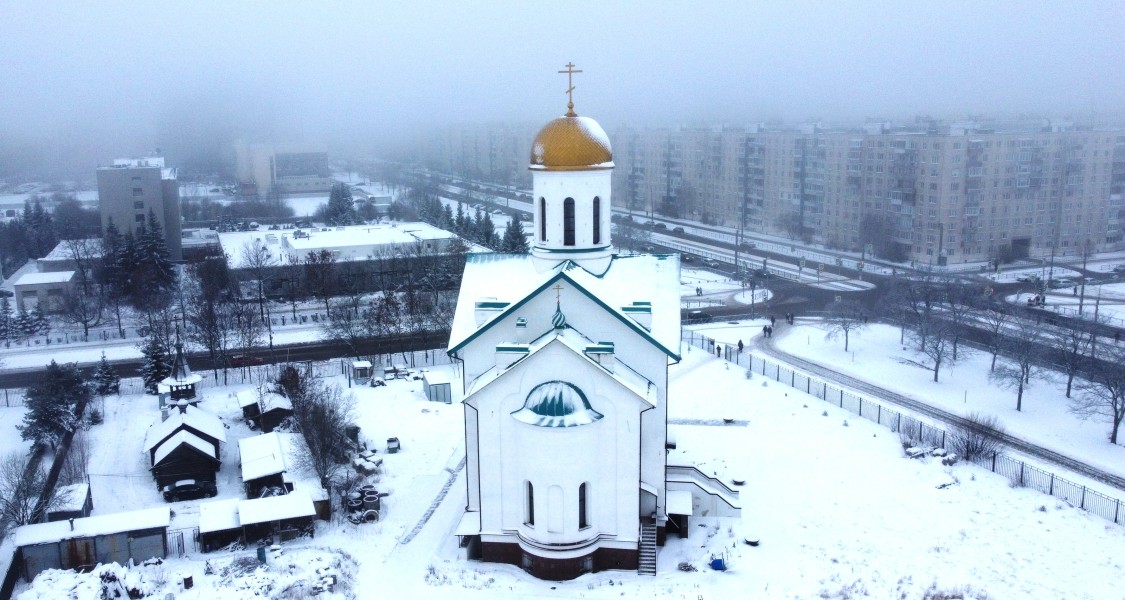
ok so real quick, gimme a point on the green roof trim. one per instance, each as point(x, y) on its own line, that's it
point(628, 321)
point(492, 305)
point(636, 309)
point(520, 348)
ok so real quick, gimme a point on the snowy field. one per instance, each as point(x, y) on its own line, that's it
point(840, 511)
point(877, 356)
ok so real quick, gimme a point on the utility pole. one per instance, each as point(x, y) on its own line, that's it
point(1082, 293)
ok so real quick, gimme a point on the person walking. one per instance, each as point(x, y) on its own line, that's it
point(740, 346)
point(718, 350)
point(773, 320)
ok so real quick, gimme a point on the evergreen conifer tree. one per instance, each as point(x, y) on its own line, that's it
point(514, 241)
point(7, 322)
point(106, 380)
point(154, 251)
point(51, 404)
point(341, 206)
point(486, 230)
point(25, 325)
point(460, 222)
point(156, 364)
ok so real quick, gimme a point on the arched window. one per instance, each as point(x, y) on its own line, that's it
point(530, 517)
point(583, 522)
point(597, 220)
point(568, 222)
point(542, 219)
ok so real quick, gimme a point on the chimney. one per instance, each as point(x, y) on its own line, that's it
point(182, 405)
point(71, 523)
point(488, 308)
point(521, 330)
point(507, 354)
point(164, 411)
point(602, 353)
point(641, 312)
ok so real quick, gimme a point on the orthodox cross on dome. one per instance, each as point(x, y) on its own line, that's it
point(559, 320)
point(570, 71)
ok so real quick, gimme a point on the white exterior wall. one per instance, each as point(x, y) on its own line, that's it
point(583, 186)
point(591, 320)
point(604, 454)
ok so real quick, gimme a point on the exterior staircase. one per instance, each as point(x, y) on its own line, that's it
point(647, 562)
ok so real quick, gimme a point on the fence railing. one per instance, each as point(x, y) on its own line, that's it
point(916, 431)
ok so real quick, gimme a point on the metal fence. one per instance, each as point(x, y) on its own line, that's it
point(916, 431)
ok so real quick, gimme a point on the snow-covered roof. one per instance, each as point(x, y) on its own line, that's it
point(269, 400)
point(267, 454)
point(183, 437)
point(219, 515)
point(361, 364)
point(436, 377)
point(629, 280)
point(275, 508)
point(136, 520)
point(41, 278)
point(247, 398)
point(71, 497)
point(197, 419)
point(64, 250)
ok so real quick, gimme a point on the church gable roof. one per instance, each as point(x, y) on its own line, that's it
point(510, 282)
point(574, 345)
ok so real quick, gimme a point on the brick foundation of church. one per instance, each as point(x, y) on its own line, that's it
point(554, 569)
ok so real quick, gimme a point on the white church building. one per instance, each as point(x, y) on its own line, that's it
point(565, 355)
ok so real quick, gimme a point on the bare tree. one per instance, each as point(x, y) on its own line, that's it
point(85, 310)
point(1074, 345)
point(291, 271)
point(627, 235)
point(319, 276)
point(85, 254)
point(258, 261)
point(843, 318)
point(1102, 392)
point(248, 328)
point(343, 325)
point(1023, 350)
point(935, 342)
point(77, 464)
point(323, 414)
point(21, 491)
point(959, 307)
point(995, 319)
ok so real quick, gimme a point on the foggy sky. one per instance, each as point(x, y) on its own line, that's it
point(85, 82)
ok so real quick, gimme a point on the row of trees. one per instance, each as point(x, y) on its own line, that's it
point(17, 326)
point(477, 228)
point(938, 312)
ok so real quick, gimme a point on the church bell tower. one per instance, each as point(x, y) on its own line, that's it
point(571, 165)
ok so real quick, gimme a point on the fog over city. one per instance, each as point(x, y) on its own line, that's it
point(86, 82)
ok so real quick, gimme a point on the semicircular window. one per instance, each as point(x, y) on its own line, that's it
point(556, 404)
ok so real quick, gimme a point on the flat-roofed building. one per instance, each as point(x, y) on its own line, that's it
point(131, 188)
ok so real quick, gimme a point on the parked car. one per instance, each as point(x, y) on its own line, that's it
point(698, 316)
point(712, 263)
point(688, 258)
point(5, 293)
point(245, 360)
point(189, 489)
point(677, 230)
point(747, 244)
point(660, 226)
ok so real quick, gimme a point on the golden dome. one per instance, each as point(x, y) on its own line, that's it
point(571, 143)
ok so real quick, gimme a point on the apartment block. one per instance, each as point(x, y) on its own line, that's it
point(132, 187)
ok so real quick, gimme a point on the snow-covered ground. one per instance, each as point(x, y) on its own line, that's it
point(877, 356)
point(10, 440)
point(840, 511)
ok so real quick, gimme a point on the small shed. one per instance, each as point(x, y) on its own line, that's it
point(74, 502)
point(264, 461)
point(437, 386)
point(218, 524)
point(83, 543)
point(361, 369)
point(280, 517)
point(264, 410)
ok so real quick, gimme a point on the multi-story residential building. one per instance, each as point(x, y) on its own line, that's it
point(133, 187)
point(929, 192)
